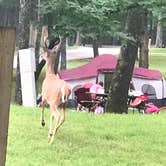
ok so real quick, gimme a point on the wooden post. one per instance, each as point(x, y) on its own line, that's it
point(7, 46)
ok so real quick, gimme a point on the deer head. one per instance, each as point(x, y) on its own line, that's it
point(51, 48)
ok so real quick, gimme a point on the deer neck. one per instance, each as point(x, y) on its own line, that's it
point(50, 67)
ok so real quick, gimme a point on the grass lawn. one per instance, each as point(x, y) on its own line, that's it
point(87, 140)
point(76, 63)
point(157, 59)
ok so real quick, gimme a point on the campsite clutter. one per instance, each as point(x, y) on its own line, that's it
point(151, 108)
point(147, 81)
point(139, 101)
point(90, 97)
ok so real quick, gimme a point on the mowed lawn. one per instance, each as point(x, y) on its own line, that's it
point(157, 59)
point(87, 140)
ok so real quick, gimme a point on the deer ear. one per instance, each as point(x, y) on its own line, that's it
point(45, 44)
point(57, 46)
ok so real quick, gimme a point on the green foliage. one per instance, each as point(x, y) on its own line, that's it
point(86, 139)
point(92, 18)
point(59, 15)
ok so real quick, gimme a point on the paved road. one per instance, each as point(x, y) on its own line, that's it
point(87, 52)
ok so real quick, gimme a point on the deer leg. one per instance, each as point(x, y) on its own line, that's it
point(57, 115)
point(42, 116)
point(63, 115)
point(60, 119)
point(51, 123)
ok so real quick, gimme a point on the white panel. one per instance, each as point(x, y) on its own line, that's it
point(27, 68)
point(28, 89)
point(27, 60)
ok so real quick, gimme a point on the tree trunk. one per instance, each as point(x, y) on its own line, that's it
point(144, 52)
point(32, 35)
point(63, 55)
point(95, 48)
point(57, 63)
point(39, 65)
point(159, 33)
point(39, 69)
point(117, 99)
point(35, 36)
point(78, 40)
point(42, 32)
point(24, 16)
point(143, 42)
point(18, 92)
point(7, 46)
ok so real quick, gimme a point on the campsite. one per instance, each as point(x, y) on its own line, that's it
point(83, 83)
point(145, 80)
point(88, 139)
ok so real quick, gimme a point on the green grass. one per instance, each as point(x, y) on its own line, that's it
point(87, 140)
point(77, 63)
point(157, 50)
point(157, 59)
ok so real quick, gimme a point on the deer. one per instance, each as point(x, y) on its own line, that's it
point(55, 91)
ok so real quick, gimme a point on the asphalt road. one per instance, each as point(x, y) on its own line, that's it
point(87, 52)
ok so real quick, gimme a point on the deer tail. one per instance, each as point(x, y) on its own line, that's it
point(63, 94)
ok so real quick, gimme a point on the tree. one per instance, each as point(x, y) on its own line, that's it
point(24, 23)
point(78, 39)
point(63, 55)
point(97, 19)
point(144, 40)
point(117, 100)
point(56, 20)
point(158, 10)
point(26, 15)
point(159, 32)
point(93, 19)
